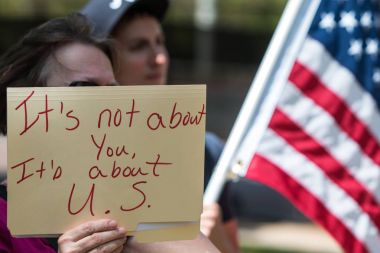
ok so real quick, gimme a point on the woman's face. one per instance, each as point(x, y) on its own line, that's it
point(74, 64)
point(78, 64)
point(142, 54)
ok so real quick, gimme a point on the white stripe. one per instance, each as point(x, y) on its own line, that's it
point(322, 127)
point(342, 82)
point(339, 204)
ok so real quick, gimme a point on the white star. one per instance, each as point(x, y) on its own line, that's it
point(356, 48)
point(372, 47)
point(366, 20)
point(376, 75)
point(327, 22)
point(348, 21)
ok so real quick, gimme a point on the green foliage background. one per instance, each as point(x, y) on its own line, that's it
point(249, 15)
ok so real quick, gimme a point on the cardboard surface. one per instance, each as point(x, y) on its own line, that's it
point(134, 154)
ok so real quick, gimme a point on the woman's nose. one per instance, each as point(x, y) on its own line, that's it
point(161, 58)
point(158, 56)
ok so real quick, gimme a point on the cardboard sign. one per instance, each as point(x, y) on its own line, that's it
point(134, 154)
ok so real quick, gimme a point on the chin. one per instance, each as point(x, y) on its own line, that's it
point(155, 81)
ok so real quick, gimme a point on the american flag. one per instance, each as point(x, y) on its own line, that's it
point(322, 147)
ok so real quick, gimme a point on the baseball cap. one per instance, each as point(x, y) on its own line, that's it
point(105, 14)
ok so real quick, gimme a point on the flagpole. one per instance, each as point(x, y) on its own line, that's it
point(293, 25)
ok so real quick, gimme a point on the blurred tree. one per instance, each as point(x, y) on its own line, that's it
point(38, 8)
point(253, 15)
point(249, 15)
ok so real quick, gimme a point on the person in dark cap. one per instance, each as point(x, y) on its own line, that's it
point(136, 26)
point(107, 14)
point(143, 59)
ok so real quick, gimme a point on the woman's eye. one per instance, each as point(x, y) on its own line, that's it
point(82, 83)
point(140, 45)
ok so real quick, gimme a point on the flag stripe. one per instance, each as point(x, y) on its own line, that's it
point(311, 86)
point(271, 175)
point(316, 153)
point(305, 113)
point(339, 203)
point(342, 82)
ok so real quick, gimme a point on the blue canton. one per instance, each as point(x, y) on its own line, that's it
point(349, 31)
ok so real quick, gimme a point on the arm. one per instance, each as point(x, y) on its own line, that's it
point(200, 245)
point(222, 232)
point(223, 235)
point(94, 236)
point(231, 228)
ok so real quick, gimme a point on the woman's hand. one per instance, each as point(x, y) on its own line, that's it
point(212, 226)
point(211, 219)
point(94, 236)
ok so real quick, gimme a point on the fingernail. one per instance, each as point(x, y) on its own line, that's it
point(122, 230)
point(112, 223)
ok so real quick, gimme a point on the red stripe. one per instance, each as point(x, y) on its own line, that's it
point(267, 173)
point(312, 87)
point(316, 153)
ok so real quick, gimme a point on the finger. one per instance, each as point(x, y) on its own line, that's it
point(212, 206)
point(205, 230)
point(90, 228)
point(208, 224)
point(98, 239)
point(120, 249)
point(110, 247)
point(209, 215)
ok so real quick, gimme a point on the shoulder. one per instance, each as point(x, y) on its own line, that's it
point(5, 236)
point(214, 144)
point(12, 244)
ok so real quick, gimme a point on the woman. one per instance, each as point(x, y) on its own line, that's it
point(59, 53)
point(62, 52)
